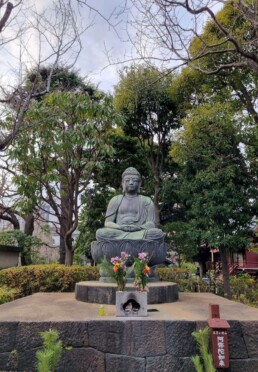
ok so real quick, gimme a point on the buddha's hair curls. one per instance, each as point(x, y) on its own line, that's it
point(131, 171)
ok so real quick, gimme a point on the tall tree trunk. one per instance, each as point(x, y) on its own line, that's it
point(63, 222)
point(29, 224)
point(62, 246)
point(28, 230)
point(156, 197)
point(69, 251)
point(225, 272)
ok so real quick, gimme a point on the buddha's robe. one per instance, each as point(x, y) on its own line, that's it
point(125, 211)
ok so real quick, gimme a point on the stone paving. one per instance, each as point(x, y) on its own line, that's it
point(64, 307)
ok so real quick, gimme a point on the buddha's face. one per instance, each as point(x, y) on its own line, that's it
point(131, 183)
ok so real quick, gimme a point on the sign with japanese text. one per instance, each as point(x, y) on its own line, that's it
point(219, 338)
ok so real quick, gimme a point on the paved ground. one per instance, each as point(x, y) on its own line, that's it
point(42, 307)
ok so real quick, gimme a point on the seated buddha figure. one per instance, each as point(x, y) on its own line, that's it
point(130, 215)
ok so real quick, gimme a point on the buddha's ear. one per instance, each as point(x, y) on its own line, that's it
point(139, 187)
point(123, 186)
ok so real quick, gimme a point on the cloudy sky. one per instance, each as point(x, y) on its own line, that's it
point(104, 23)
point(101, 42)
point(98, 40)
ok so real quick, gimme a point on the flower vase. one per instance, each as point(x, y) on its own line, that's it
point(121, 285)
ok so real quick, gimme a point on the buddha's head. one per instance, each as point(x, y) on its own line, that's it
point(131, 180)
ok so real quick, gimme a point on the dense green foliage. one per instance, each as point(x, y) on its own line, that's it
point(46, 278)
point(65, 136)
point(217, 185)
point(151, 112)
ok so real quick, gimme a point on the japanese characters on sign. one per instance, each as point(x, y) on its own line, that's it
point(220, 348)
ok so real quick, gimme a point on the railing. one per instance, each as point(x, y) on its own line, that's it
point(232, 267)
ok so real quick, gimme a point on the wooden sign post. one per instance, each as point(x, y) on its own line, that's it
point(219, 338)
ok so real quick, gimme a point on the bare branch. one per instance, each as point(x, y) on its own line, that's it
point(7, 13)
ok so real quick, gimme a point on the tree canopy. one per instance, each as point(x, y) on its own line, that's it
point(65, 136)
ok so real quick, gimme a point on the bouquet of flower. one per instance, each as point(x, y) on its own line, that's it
point(119, 270)
point(142, 271)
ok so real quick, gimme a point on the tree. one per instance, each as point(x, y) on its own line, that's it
point(217, 183)
point(32, 35)
point(166, 30)
point(64, 137)
point(143, 96)
point(57, 41)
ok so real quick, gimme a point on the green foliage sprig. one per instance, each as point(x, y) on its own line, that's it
point(204, 362)
point(48, 358)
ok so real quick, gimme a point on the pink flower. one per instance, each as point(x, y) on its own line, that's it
point(115, 259)
point(124, 255)
point(142, 255)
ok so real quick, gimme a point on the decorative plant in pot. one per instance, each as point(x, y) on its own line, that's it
point(141, 270)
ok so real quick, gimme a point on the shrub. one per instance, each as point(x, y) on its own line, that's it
point(181, 277)
point(8, 294)
point(46, 278)
point(171, 274)
point(244, 289)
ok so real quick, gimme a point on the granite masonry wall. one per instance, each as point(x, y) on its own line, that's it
point(123, 345)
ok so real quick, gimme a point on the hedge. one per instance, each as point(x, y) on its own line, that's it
point(184, 282)
point(8, 294)
point(46, 278)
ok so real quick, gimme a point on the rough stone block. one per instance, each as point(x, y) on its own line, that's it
point(124, 363)
point(28, 335)
point(72, 333)
point(179, 339)
point(82, 360)
point(250, 333)
point(144, 338)
point(131, 304)
point(8, 361)
point(27, 360)
point(236, 342)
point(107, 336)
point(167, 363)
point(243, 365)
point(8, 336)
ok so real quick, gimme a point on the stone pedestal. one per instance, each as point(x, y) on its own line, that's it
point(131, 304)
point(105, 293)
point(155, 249)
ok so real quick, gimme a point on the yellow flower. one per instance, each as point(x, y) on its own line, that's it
point(117, 264)
point(147, 267)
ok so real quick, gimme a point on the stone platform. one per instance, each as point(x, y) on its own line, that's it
point(105, 293)
point(162, 341)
